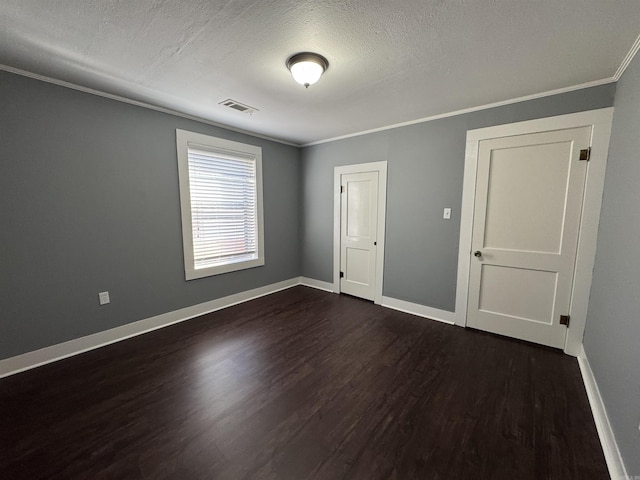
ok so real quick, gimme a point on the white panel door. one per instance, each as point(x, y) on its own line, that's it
point(528, 207)
point(359, 218)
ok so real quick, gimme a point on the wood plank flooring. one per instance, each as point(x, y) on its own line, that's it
point(302, 384)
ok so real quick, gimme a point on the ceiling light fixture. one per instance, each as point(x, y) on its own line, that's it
point(307, 67)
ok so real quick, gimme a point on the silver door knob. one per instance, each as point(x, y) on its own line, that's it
point(477, 253)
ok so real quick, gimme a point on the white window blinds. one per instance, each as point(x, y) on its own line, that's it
point(224, 208)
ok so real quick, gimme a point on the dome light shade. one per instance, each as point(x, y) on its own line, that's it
point(307, 68)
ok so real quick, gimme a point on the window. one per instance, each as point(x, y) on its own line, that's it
point(221, 204)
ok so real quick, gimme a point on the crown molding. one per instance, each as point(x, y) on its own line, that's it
point(627, 60)
point(137, 103)
point(487, 106)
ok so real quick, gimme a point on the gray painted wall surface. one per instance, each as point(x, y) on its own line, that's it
point(425, 174)
point(612, 335)
point(89, 202)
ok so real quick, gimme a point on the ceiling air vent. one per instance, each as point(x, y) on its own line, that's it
point(241, 107)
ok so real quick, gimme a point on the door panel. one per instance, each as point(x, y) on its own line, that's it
point(518, 292)
point(357, 266)
point(526, 223)
point(542, 195)
point(359, 216)
point(358, 213)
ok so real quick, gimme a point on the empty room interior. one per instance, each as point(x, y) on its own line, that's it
point(319, 240)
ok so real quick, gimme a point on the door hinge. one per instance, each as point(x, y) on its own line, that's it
point(341, 188)
point(341, 274)
point(585, 154)
point(565, 320)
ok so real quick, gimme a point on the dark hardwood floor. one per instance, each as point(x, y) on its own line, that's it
point(297, 385)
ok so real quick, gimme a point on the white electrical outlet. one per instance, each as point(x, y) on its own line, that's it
point(447, 214)
point(104, 298)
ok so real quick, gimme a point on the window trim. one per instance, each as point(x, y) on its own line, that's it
point(184, 141)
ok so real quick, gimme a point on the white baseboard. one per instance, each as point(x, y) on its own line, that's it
point(617, 470)
point(36, 358)
point(53, 353)
point(395, 304)
point(419, 310)
point(320, 285)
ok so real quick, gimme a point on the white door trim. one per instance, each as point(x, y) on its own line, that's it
point(381, 168)
point(600, 120)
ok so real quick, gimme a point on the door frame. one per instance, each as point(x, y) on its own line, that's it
point(381, 168)
point(600, 121)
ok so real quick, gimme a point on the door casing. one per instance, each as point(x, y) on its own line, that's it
point(600, 121)
point(381, 168)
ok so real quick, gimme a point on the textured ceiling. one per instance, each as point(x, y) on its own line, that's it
point(390, 62)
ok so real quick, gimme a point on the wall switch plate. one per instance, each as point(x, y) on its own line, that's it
point(447, 214)
point(104, 298)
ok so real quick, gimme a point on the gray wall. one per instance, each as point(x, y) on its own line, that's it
point(425, 174)
point(89, 202)
point(612, 336)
